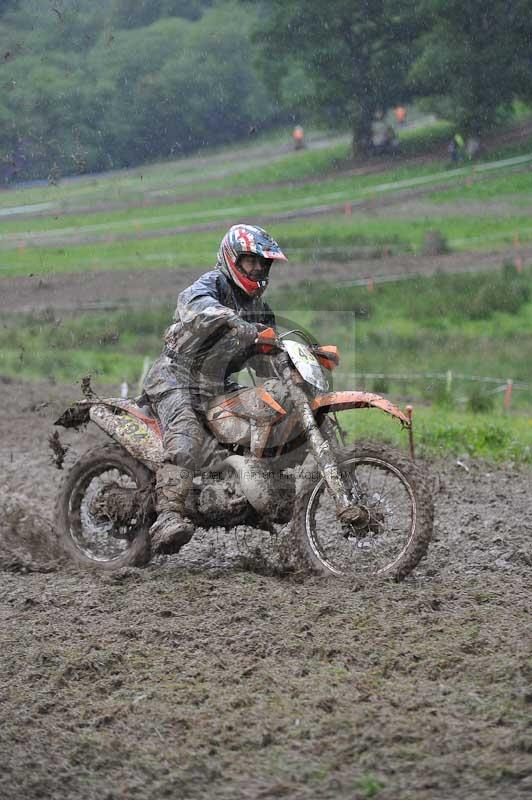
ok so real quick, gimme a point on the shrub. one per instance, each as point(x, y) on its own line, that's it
point(479, 401)
point(505, 292)
point(440, 394)
point(381, 385)
point(434, 244)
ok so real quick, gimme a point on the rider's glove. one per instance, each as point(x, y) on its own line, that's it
point(245, 332)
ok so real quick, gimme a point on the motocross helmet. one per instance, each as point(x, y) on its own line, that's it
point(241, 240)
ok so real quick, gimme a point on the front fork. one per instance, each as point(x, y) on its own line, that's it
point(347, 507)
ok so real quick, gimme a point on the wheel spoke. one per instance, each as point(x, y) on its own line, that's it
point(92, 527)
point(377, 545)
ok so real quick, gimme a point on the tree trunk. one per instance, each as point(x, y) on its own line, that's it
point(361, 126)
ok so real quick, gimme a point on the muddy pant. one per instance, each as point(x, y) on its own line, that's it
point(183, 436)
point(174, 401)
point(183, 432)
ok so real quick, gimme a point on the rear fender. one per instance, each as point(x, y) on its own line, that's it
point(131, 431)
point(342, 401)
point(124, 422)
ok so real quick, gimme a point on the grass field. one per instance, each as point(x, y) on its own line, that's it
point(437, 432)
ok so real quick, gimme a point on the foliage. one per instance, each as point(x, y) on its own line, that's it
point(381, 385)
point(141, 13)
point(84, 95)
point(96, 84)
point(479, 401)
point(507, 293)
point(474, 296)
point(438, 432)
point(434, 243)
point(474, 60)
point(351, 58)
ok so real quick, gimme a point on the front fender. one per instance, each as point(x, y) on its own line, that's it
point(342, 401)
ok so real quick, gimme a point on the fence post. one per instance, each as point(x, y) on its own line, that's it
point(145, 368)
point(518, 258)
point(449, 382)
point(410, 414)
point(508, 394)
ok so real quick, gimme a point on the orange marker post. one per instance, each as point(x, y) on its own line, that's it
point(507, 399)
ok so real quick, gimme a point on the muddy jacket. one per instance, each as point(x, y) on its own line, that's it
point(200, 350)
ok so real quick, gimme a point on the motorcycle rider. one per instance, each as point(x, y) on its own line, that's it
point(215, 328)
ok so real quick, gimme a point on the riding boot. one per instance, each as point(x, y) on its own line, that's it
point(171, 530)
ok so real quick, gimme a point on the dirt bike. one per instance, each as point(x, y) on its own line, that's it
point(353, 508)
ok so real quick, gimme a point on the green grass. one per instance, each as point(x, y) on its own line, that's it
point(429, 325)
point(260, 198)
point(474, 324)
point(440, 432)
point(518, 184)
point(201, 173)
point(180, 178)
point(194, 249)
point(425, 139)
point(330, 238)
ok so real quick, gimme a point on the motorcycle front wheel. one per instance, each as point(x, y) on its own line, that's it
point(398, 519)
point(103, 510)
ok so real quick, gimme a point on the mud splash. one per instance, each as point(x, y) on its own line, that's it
point(27, 541)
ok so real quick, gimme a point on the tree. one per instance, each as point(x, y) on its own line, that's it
point(170, 88)
point(7, 5)
point(139, 13)
point(356, 54)
point(475, 59)
point(81, 95)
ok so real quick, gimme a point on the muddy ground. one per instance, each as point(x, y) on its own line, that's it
point(195, 678)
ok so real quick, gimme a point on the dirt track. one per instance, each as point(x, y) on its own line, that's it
point(87, 291)
point(193, 680)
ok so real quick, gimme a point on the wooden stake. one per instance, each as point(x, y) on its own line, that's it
point(410, 414)
point(508, 394)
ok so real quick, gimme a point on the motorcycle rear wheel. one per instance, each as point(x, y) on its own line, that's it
point(87, 536)
point(400, 507)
